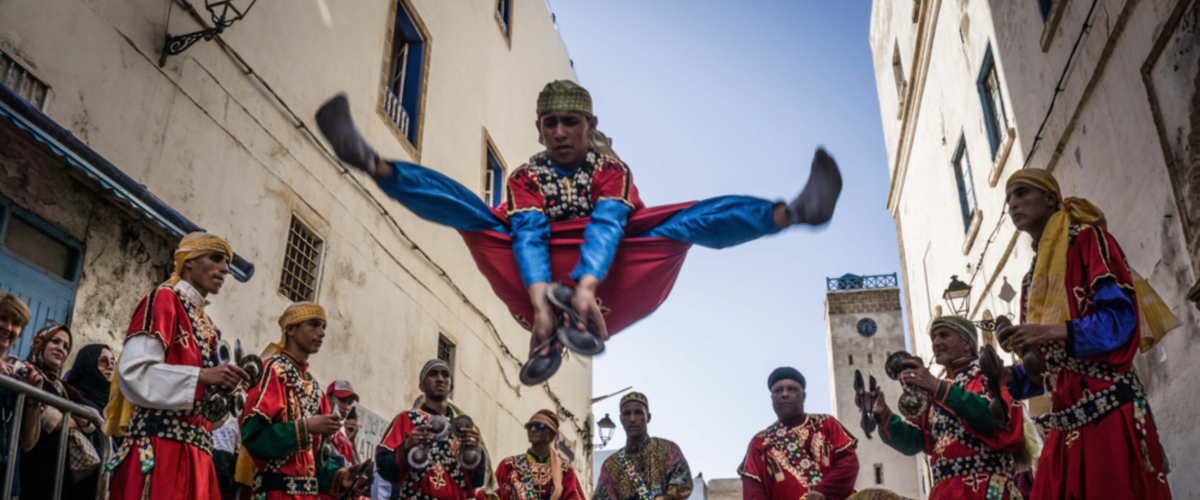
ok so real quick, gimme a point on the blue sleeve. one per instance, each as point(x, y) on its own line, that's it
point(600, 239)
point(1109, 327)
point(531, 246)
point(1022, 387)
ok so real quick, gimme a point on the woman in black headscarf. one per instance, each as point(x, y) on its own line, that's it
point(91, 375)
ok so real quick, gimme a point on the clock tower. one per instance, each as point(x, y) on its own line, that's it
point(863, 324)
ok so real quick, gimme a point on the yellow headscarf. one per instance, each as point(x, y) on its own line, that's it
point(196, 245)
point(1047, 302)
point(193, 246)
point(295, 314)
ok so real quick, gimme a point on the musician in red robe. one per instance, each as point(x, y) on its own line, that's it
point(800, 456)
point(442, 477)
point(569, 210)
point(539, 474)
point(168, 363)
point(1087, 313)
point(287, 417)
point(971, 455)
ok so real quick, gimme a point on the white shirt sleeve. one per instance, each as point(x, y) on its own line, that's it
point(148, 381)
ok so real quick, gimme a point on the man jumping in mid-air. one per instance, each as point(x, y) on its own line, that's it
point(573, 191)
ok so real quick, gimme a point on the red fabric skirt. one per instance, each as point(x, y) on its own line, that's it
point(181, 472)
point(640, 278)
point(1105, 460)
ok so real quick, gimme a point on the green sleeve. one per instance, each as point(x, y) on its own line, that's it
point(267, 441)
point(325, 475)
point(903, 436)
point(971, 407)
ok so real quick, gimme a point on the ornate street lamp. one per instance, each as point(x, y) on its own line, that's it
point(224, 13)
point(607, 427)
point(958, 297)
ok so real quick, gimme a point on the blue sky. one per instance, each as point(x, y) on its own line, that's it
point(706, 98)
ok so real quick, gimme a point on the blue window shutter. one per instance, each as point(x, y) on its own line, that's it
point(965, 181)
point(410, 95)
point(1044, 6)
point(496, 177)
point(991, 100)
point(50, 298)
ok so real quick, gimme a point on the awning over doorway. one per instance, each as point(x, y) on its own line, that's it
point(111, 179)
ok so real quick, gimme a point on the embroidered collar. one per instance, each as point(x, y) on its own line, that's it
point(300, 365)
point(532, 457)
point(190, 293)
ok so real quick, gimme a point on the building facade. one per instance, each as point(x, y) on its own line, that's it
point(111, 150)
point(1103, 93)
point(864, 323)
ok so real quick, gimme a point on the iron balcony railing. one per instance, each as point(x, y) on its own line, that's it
point(68, 409)
point(852, 282)
point(395, 110)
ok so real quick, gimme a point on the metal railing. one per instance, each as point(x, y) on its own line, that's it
point(852, 282)
point(68, 409)
point(395, 110)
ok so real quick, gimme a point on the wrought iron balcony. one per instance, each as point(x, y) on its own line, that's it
point(396, 111)
point(854, 282)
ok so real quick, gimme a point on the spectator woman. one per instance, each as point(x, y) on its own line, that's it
point(14, 315)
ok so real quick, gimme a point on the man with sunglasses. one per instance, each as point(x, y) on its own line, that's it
point(539, 474)
point(647, 468)
point(578, 198)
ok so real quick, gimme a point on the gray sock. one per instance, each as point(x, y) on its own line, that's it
point(333, 118)
point(816, 202)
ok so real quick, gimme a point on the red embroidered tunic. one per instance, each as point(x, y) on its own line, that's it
point(523, 477)
point(789, 459)
point(539, 186)
point(443, 479)
point(151, 466)
point(274, 433)
point(970, 457)
point(1116, 455)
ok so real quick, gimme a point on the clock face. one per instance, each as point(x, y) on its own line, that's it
point(867, 327)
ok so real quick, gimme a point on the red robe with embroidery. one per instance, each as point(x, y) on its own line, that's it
point(1119, 456)
point(948, 438)
point(823, 460)
point(273, 431)
point(177, 471)
point(444, 478)
point(521, 478)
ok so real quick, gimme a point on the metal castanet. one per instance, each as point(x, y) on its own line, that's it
point(418, 456)
point(219, 402)
point(468, 456)
point(913, 401)
point(866, 402)
point(1031, 357)
point(991, 365)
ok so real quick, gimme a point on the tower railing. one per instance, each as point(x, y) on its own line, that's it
point(854, 282)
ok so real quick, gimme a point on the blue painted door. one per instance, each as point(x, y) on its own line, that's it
point(49, 293)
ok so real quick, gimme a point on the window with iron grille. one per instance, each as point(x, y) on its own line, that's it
point(300, 262)
point(993, 103)
point(17, 78)
point(493, 180)
point(966, 183)
point(403, 87)
point(446, 352)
